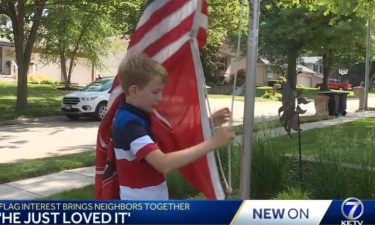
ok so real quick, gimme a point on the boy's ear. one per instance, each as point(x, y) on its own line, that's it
point(133, 89)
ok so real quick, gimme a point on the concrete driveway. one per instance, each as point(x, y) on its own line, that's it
point(55, 136)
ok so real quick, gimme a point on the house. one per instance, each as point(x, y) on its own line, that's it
point(307, 77)
point(310, 71)
point(231, 67)
point(314, 63)
point(7, 54)
point(83, 73)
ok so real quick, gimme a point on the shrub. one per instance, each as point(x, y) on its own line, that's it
point(278, 80)
point(271, 83)
point(40, 79)
point(281, 80)
point(276, 97)
point(292, 193)
point(269, 169)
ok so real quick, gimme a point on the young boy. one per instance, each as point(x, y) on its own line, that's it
point(141, 165)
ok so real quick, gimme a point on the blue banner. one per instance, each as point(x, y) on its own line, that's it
point(117, 212)
point(351, 211)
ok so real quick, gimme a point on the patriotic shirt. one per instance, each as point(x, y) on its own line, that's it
point(138, 180)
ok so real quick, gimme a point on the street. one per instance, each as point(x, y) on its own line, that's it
point(58, 136)
point(46, 138)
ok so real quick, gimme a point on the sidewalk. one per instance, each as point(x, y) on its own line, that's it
point(39, 187)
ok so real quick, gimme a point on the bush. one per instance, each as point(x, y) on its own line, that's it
point(270, 83)
point(292, 193)
point(40, 79)
point(269, 169)
point(278, 80)
point(281, 80)
point(276, 97)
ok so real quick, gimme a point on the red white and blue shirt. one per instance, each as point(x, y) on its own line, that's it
point(132, 141)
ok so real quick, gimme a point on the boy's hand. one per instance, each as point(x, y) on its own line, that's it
point(223, 136)
point(221, 116)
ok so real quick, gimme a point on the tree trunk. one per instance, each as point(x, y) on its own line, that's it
point(63, 70)
point(21, 103)
point(327, 62)
point(71, 64)
point(291, 73)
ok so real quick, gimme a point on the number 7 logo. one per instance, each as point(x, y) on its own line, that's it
point(352, 208)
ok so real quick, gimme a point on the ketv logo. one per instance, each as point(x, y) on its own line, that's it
point(352, 209)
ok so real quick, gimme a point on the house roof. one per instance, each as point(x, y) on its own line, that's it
point(6, 42)
point(311, 59)
point(304, 69)
point(265, 61)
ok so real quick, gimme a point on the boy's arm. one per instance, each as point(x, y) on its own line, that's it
point(166, 162)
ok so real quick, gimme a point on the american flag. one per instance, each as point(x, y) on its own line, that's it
point(171, 33)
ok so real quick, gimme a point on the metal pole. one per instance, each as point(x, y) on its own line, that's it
point(367, 66)
point(251, 62)
point(299, 153)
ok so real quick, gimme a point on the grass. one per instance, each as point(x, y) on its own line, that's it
point(37, 167)
point(83, 193)
point(275, 173)
point(43, 100)
point(352, 142)
point(178, 189)
point(236, 98)
point(292, 193)
point(274, 123)
point(272, 174)
point(341, 154)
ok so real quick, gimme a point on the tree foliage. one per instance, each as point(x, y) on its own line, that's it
point(223, 22)
point(284, 31)
point(25, 19)
point(336, 39)
point(82, 28)
point(290, 28)
point(75, 28)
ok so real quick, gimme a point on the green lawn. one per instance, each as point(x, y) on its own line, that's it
point(43, 100)
point(275, 170)
point(44, 166)
point(84, 193)
point(274, 123)
point(178, 189)
point(38, 167)
point(351, 142)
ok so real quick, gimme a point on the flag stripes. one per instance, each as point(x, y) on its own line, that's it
point(166, 32)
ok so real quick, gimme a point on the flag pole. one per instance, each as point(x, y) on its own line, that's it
point(251, 62)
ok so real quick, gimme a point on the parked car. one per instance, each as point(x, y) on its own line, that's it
point(335, 84)
point(90, 101)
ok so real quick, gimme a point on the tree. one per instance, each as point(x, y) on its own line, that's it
point(339, 33)
point(82, 28)
point(223, 20)
point(125, 15)
point(26, 18)
point(284, 31)
point(72, 29)
point(291, 28)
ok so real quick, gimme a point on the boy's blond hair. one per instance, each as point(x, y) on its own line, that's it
point(139, 70)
